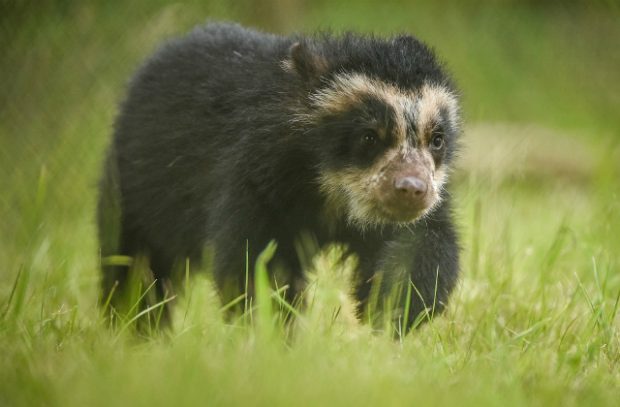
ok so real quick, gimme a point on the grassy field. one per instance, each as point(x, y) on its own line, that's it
point(533, 321)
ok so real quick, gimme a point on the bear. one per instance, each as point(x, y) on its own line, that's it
point(230, 138)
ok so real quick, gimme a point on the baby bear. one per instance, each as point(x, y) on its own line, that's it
point(230, 138)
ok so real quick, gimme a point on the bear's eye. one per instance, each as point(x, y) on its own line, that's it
point(369, 138)
point(437, 141)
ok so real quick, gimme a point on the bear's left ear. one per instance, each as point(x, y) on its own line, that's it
point(306, 62)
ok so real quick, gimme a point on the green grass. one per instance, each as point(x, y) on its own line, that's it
point(534, 320)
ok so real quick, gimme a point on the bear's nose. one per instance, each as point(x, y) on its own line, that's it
point(411, 185)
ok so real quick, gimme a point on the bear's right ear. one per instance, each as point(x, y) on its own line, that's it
point(305, 62)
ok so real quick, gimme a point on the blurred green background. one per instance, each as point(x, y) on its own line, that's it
point(537, 191)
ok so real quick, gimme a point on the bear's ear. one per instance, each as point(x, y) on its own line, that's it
point(305, 61)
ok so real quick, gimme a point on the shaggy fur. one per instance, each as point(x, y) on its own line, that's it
point(231, 137)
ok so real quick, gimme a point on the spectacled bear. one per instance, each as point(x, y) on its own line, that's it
point(230, 138)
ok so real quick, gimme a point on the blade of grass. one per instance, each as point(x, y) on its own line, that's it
point(264, 309)
point(13, 290)
point(144, 312)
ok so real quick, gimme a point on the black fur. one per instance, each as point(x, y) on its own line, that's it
point(204, 152)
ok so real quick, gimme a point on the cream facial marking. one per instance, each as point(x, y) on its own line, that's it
point(349, 90)
point(431, 100)
point(351, 193)
point(415, 111)
point(355, 193)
